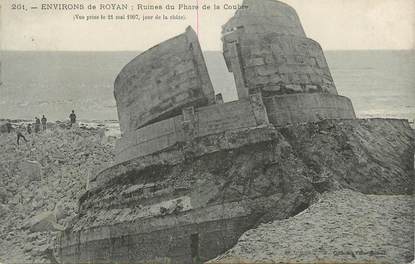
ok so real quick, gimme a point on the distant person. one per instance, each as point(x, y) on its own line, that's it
point(37, 125)
point(44, 120)
point(9, 127)
point(19, 135)
point(29, 128)
point(72, 117)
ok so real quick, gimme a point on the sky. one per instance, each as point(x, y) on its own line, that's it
point(335, 24)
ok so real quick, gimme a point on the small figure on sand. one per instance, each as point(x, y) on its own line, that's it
point(44, 120)
point(37, 125)
point(19, 135)
point(29, 128)
point(72, 117)
point(9, 127)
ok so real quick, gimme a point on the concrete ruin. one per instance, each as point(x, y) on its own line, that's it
point(267, 50)
point(158, 83)
point(193, 173)
point(281, 76)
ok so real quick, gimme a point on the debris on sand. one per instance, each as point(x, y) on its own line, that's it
point(41, 182)
point(342, 227)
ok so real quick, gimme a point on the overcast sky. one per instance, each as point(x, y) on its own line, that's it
point(335, 24)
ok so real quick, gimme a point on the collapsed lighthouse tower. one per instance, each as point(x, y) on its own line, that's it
point(193, 173)
point(267, 50)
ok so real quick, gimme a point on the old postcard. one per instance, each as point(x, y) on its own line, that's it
point(207, 131)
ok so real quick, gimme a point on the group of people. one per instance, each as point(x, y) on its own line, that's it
point(38, 124)
point(38, 121)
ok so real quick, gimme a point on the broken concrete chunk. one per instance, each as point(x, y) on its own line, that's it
point(45, 221)
point(31, 170)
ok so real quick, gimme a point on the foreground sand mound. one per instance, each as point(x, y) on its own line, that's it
point(342, 227)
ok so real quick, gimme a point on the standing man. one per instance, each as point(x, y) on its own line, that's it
point(72, 117)
point(37, 125)
point(44, 120)
point(9, 127)
point(19, 135)
point(29, 128)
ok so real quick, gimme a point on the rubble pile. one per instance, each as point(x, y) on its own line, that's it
point(342, 227)
point(40, 184)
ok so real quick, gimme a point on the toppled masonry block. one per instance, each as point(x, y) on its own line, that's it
point(159, 82)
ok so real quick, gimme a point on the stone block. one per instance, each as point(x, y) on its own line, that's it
point(269, 59)
point(45, 221)
point(255, 62)
point(307, 107)
point(316, 79)
point(266, 70)
point(321, 62)
point(296, 88)
point(276, 78)
point(272, 88)
point(31, 170)
point(304, 78)
point(312, 88)
point(4, 209)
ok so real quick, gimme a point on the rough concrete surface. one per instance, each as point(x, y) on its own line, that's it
point(266, 16)
point(253, 183)
point(266, 49)
point(305, 107)
point(162, 80)
point(202, 121)
point(341, 227)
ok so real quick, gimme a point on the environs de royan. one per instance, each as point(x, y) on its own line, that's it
point(138, 6)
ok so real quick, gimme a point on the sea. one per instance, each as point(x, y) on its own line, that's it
point(380, 83)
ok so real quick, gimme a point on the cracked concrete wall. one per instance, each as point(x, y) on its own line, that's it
point(171, 244)
point(301, 108)
point(204, 121)
point(159, 82)
point(177, 153)
point(267, 50)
